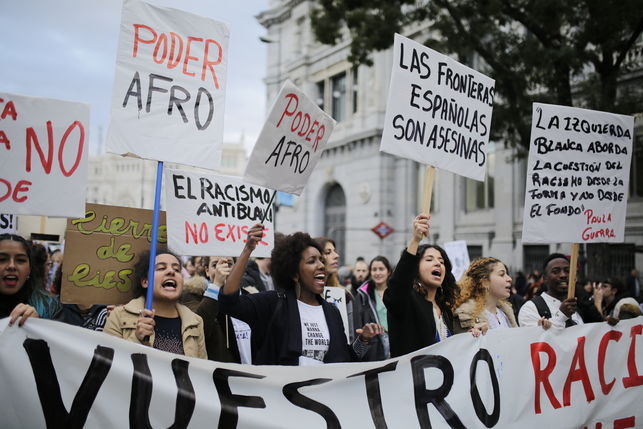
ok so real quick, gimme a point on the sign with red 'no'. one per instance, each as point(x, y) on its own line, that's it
point(382, 230)
point(43, 156)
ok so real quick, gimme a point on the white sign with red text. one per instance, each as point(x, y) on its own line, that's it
point(210, 215)
point(43, 156)
point(290, 143)
point(577, 176)
point(169, 90)
point(585, 376)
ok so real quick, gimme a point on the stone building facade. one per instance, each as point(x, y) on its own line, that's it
point(355, 186)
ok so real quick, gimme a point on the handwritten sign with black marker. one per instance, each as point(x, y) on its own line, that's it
point(210, 215)
point(438, 110)
point(578, 175)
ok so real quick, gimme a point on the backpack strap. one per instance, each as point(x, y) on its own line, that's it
point(541, 306)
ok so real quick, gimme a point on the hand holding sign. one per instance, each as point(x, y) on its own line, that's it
point(255, 235)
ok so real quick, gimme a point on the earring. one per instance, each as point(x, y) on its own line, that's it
point(297, 289)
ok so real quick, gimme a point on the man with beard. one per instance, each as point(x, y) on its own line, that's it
point(553, 304)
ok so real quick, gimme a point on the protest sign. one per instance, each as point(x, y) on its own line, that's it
point(43, 156)
point(337, 296)
point(585, 376)
point(210, 215)
point(459, 256)
point(101, 250)
point(290, 143)
point(169, 90)
point(438, 111)
point(577, 175)
point(8, 224)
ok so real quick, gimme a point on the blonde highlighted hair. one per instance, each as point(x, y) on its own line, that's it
point(471, 286)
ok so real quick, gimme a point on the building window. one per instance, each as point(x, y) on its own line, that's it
point(533, 257)
point(355, 89)
point(480, 195)
point(338, 106)
point(335, 218)
point(319, 99)
point(475, 252)
point(636, 171)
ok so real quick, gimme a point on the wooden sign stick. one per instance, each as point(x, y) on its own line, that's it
point(573, 264)
point(428, 189)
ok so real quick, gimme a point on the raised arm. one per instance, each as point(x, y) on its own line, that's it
point(401, 282)
point(233, 282)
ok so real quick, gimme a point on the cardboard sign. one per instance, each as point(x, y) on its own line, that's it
point(169, 91)
point(459, 256)
point(337, 296)
point(101, 250)
point(290, 143)
point(210, 215)
point(578, 176)
point(586, 376)
point(438, 110)
point(8, 224)
point(43, 156)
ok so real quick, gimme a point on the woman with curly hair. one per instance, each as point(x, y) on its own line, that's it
point(292, 325)
point(482, 304)
point(420, 294)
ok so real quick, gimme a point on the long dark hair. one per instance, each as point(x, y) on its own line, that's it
point(331, 279)
point(447, 294)
point(8, 302)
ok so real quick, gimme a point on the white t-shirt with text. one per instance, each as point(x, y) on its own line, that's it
point(315, 336)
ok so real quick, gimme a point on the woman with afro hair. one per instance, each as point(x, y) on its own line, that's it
point(293, 324)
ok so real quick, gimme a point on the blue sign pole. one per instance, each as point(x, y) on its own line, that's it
point(155, 227)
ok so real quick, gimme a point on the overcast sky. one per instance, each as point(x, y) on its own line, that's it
point(66, 49)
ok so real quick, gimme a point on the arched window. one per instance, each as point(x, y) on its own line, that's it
point(335, 218)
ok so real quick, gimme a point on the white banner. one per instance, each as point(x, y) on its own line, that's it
point(459, 256)
point(8, 224)
point(438, 111)
point(578, 175)
point(290, 143)
point(210, 215)
point(56, 375)
point(169, 90)
point(43, 156)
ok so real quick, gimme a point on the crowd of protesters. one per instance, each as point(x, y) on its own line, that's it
point(270, 311)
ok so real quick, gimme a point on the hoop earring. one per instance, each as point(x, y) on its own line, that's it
point(297, 289)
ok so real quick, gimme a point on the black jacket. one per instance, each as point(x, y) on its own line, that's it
point(252, 277)
point(276, 327)
point(411, 325)
point(364, 312)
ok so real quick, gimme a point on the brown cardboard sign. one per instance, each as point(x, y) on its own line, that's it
point(101, 250)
